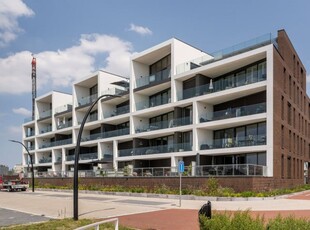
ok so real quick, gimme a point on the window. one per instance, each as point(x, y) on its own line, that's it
point(160, 98)
point(284, 79)
point(289, 112)
point(290, 86)
point(289, 167)
point(282, 166)
point(282, 108)
point(262, 72)
point(282, 137)
point(290, 141)
point(160, 70)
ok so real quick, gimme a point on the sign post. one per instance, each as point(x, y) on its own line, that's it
point(181, 170)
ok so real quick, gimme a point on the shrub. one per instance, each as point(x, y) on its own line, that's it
point(288, 223)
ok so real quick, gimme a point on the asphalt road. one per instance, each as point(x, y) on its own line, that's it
point(11, 217)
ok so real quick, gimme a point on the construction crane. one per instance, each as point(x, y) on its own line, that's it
point(34, 82)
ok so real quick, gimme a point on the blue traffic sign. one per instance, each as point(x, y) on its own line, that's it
point(181, 166)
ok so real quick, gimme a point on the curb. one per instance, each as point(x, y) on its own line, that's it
point(184, 197)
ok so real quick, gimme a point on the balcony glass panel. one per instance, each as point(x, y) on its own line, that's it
point(63, 108)
point(30, 133)
point(46, 129)
point(148, 104)
point(45, 160)
point(220, 85)
point(114, 133)
point(64, 125)
point(87, 100)
point(236, 112)
point(84, 156)
point(165, 124)
point(45, 114)
point(56, 143)
point(157, 77)
point(242, 141)
point(155, 149)
point(228, 52)
point(28, 119)
point(115, 91)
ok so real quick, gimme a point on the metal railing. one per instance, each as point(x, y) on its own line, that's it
point(96, 225)
point(228, 170)
point(157, 77)
point(236, 112)
point(228, 52)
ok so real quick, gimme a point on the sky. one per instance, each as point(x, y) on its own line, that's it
point(73, 38)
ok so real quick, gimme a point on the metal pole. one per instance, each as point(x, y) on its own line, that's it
point(31, 162)
point(180, 189)
point(77, 155)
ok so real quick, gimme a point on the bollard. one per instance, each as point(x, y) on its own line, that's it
point(206, 210)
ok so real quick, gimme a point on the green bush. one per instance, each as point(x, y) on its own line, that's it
point(242, 220)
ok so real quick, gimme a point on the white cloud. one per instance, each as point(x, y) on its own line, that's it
point(62, 67)
point(308, 78)
point(140, 29)
point(22, 111)
point(10, 12)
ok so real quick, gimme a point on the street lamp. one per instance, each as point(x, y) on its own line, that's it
point(77, 155)
point(31, 162)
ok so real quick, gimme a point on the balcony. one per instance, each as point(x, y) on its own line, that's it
point(92, 117)
point(45, 160)
point(30, 148)
point(147, 104)
point(181, 147)
point(228, 52)
point(154, 78)
point(87, 100)
point(236, 112)
point(217, 87)
point(28, 119)
point(113, 133)
point(56, 143)
point(46, 129)
point(250, 140)
point(45, 114)
point(30, 133)
point(115, 91)
point(165, 124)
point(84, 156)
point(64, 125)
point(63, 109)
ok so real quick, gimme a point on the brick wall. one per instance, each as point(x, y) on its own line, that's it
point(237, 183)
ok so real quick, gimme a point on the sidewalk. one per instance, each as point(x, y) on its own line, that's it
point(146, 213)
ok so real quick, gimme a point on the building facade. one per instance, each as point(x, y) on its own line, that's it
point(240, 112)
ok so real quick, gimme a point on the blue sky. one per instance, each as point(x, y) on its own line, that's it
point(72, 38)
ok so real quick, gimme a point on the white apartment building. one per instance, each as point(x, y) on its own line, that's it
point(216, 112)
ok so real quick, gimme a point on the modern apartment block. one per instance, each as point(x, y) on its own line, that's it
point(240, 112)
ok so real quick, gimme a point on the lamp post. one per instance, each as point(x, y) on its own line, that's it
point(31, 162)
point(77, 155)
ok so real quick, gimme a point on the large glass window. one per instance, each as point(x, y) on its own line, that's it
point(161, 68)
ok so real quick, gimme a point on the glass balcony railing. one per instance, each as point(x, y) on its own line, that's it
point(92, 117)
point(30, 133)
point(147, 104)
point(115, 91)
point(181, 147)
point(28, 119)
point(58, 159)
point(87, 100)
point(228, 52)
point(113, 133)
point(46, 129)
point(45, 160)
point(122, 110)
point(64, 125)
point(154, 78)
point(63, 108)
point(165, 124)
point(236, 112)
point(84, 156)
point(217, 87)
point(250, 140)
point(30, 148)
point(45, 114)
point(56, 143)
